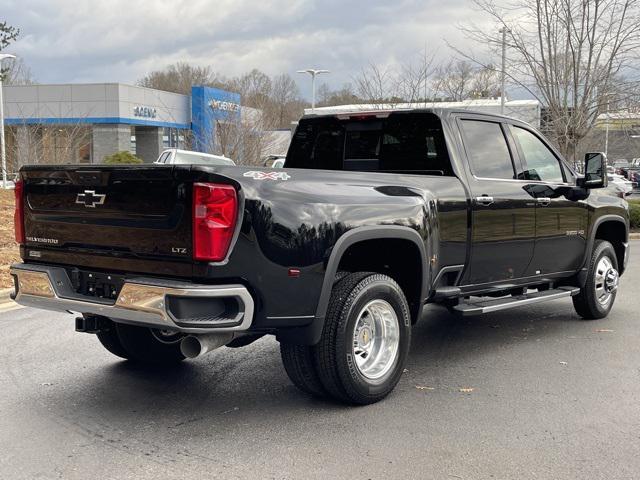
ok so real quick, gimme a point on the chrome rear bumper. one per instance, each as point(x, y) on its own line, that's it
point(180, 306)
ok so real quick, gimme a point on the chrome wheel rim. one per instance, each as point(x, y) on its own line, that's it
point(606, 281)
point(376, 339)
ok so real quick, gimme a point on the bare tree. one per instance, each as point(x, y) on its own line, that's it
point(570, 54)
point(389, 85)
point(373, 84)
point(17, 73)
point(460, 80)
point(285, 101)
point(486, 82)
point(180, 77)
point(39, 144)
point(254, 87)
point(243, 137)
point(454, 80)
point(344, 96)
point(411, 82)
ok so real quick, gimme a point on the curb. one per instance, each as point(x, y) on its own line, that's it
point(5, 295)
point(634, 236)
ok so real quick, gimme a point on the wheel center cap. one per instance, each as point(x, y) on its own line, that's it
point(364, 337)
point(611, 280)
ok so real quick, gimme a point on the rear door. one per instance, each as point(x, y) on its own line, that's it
point(503, 213)
point(561, 224)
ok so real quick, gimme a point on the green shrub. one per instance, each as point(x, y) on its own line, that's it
point(634, 213)
point(123, 157)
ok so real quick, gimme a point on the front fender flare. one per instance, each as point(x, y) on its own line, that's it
point(582, 275)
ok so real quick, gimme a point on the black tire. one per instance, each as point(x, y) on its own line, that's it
point(335, 360)
point(144, 345)
point(586, 303)
point(109, 339)
point(299, 364)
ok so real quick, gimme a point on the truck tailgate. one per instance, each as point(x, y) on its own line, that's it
point(136, 211)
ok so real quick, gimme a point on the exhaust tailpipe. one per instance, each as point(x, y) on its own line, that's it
point(194, 346)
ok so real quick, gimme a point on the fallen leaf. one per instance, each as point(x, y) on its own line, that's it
point(405, 370)
point(603, 330)
point(46, 384)
point(563, 363)
point(423, 387)
point(466, 390)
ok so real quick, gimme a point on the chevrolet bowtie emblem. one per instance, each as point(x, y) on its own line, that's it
point(90, 198)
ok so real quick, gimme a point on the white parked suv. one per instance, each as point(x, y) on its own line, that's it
point(187, 157)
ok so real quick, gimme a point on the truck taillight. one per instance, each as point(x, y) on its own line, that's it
point(18, 213)
point(215, 209)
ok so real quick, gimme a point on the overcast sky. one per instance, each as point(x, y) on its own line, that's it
point(121, 40)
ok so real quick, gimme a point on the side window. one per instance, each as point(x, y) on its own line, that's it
point(487, 149)
point(541, 163)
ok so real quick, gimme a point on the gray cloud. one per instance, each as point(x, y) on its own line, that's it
point(121, 40)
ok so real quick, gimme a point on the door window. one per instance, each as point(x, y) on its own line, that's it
point(487, 149)
point(541, 163)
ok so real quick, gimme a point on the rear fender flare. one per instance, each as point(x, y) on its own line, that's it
point(369, 233)
point(310, 335)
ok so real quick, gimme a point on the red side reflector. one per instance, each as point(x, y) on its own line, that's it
point(294, 272)
point(215, 209)
point(18, 212)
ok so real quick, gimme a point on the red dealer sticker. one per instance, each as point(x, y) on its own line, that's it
point(258, 175)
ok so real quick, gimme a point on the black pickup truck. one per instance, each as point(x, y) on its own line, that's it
point(374, 215)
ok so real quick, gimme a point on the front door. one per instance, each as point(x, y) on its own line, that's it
point(561, 223)
point(502, 212)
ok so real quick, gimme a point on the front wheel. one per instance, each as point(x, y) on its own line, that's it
point(596, 298)
point(365, 340)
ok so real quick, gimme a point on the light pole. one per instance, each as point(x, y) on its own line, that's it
point(3, 154)
point(503, 74)
point(313, 72)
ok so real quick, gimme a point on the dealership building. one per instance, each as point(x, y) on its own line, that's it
point(83, 123)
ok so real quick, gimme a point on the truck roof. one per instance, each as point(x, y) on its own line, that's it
point(384, 112)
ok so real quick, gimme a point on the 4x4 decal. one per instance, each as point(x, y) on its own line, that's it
point(258, 175)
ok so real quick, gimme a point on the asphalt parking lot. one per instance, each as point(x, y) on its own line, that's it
point(530, 393)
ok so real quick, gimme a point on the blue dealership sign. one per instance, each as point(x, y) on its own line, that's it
point(210, 107)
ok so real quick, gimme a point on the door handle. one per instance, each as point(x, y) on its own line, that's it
point(543, 201)
point(484, 200)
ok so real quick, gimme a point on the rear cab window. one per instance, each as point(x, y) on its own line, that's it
point(398, 142)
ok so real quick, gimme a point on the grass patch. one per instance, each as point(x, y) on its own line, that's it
point(634, 214)
point(9, 252)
